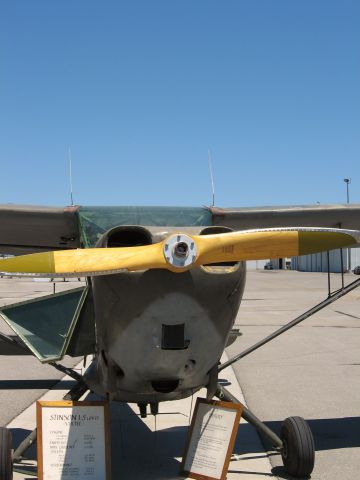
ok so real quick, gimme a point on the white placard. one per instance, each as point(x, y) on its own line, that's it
point(73, 441)
point(213, 430)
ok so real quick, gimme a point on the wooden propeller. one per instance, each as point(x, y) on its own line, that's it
point(180, 252)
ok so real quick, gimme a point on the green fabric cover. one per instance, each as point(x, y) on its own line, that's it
point(95, 221)
point(46, 324)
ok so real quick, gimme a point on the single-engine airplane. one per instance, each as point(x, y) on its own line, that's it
point(164, 285)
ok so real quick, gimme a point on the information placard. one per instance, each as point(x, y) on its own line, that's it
point(211, 439)
point(73, 441)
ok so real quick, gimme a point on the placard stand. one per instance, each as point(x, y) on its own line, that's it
point(211, 439)
point(73, 441)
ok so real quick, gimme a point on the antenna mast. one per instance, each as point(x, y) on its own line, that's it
point(212, 178)
point(70, 177)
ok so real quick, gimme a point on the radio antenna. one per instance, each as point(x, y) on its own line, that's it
point(70, 178)
point(212, 178)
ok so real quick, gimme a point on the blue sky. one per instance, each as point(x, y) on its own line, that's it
point(141, 90)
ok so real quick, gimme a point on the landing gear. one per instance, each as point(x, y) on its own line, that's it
point(298, 452)
point(6, 465)
point(296, 444)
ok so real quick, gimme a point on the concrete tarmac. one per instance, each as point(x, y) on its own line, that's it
point(311, 371)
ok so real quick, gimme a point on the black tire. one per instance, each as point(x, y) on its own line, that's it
point(6, 466)
point(298, 453)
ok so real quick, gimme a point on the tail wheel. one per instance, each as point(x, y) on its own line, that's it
point(298, 453)
point(6, 466)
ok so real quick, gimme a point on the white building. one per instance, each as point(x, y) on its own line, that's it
point(318, 262)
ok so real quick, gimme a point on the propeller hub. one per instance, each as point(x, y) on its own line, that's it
point(180, 251)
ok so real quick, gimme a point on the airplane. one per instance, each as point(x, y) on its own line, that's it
point(163, 288)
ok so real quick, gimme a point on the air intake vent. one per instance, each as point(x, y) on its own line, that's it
point(165, 386)
point(212, 231)
point(127, 236)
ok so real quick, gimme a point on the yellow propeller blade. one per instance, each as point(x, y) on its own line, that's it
point(85, 262)
point(271, 243)
point(179, 252)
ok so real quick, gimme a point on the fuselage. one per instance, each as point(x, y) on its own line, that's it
point(160, 335)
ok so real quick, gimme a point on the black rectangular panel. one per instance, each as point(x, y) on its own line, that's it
point(173, 337)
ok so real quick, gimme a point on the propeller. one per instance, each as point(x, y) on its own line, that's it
point(180, 252)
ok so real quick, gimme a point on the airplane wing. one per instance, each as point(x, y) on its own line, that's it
point(31, 229)
point(331, 216)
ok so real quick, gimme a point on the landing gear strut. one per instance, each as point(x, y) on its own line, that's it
point(296, 444)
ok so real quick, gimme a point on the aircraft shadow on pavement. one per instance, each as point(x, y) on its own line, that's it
point(131, 460)
point(160, 453)
point(18, 435)
point(37, 384)
point(330, 433)
point(139, 452)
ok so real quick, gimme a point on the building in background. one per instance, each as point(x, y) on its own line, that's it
point(256, 264)
point(318, 262)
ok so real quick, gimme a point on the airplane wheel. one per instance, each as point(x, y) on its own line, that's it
point(6, 465)
point(298, 453)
